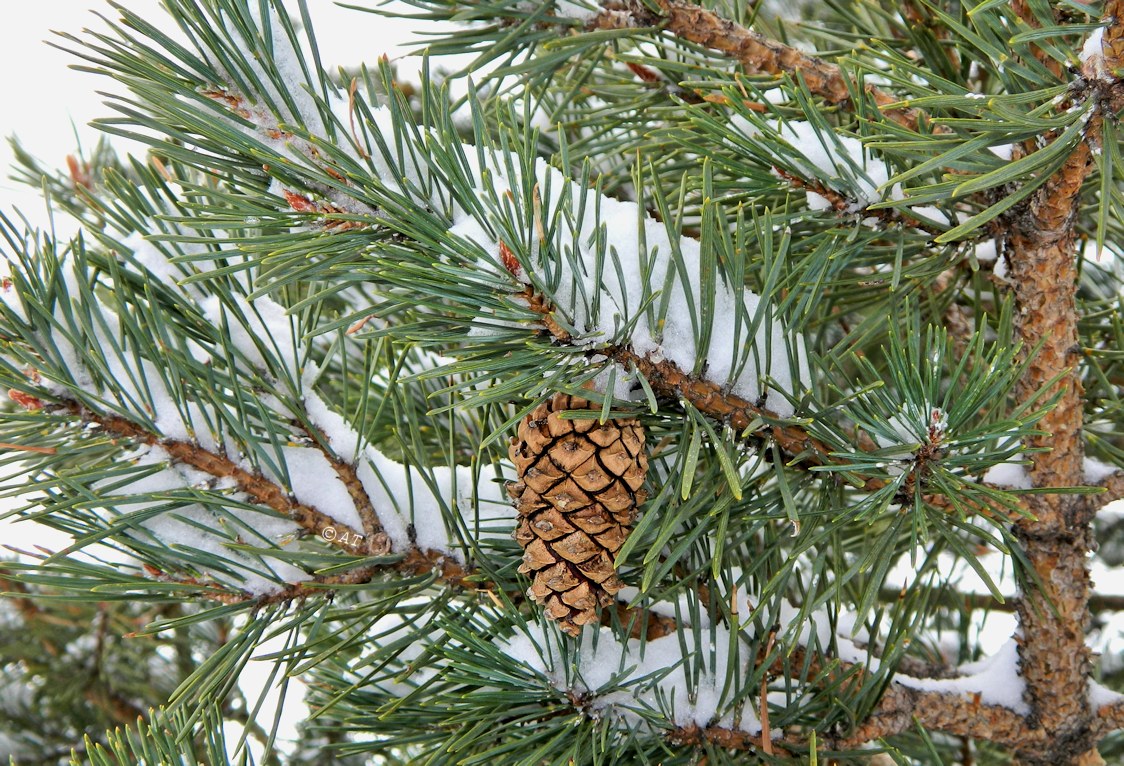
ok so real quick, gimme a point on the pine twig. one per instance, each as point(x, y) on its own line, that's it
point(1111, 717)
point(669, 381)
point(717, 736)
point(1114, 490)
point(378, 542)
point(333, 218)
point(844, 206)
point(757, 53)
point(261, 489)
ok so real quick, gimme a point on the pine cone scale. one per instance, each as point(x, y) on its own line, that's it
point(580, 482)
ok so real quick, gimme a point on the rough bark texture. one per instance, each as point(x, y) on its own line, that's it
point(1054, 612)
point(1054, 615)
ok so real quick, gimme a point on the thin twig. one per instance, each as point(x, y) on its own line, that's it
point(757, 53)
point(259, 488)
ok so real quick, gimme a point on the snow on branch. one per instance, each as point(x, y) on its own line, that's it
point(697, 684)
point(618, 276)
point(837, 172)
point(620, 279)
point(214, 412)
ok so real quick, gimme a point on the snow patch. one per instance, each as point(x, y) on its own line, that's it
point(316, 483)
point(1010, 475)
point(1092, 56)
point(637, 257)
point(986, 251)
point(659, 675)
point(417, 506)
point(1101, 696)
point(1097, 471)
point(194, 527)
point(995, 679)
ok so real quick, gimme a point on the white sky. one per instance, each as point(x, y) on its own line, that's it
point(45, 103)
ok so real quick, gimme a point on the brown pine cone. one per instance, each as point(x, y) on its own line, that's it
point(580, 483)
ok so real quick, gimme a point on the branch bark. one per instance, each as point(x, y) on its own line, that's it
point(1054, 614)
point(756, 53)
point(256, 486)
point(1114, 490)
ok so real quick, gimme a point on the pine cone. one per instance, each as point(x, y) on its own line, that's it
point(579, 486)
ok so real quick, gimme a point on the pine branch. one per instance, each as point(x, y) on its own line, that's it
point(844, 206)
point(1114, 490)
point(255, 485)
point(670, 382)
point(375, 543)
point(1111, 717)
point(1041, 242)
point(902, 708)
point(750, 419)
point(757, 53)
point(378, 542)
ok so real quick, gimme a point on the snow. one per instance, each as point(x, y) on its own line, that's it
point(617, 677)
point(344, 439)
point(994, 679)
point(439, 502)
point(315, 483)
point(1010, 475)
point(678, 610)
point(600, 305)
point(1002, 151)
point(191, 526)
point(986, 251)
point(258, 329)
point(1092, 56)
point(833, 158)
point(1015, 476)
point(681, 677)
point(427, 499)
point(911, 427)
point(622, 381)
point(1100, 696)
point(957, 572)
point(277, 69)
point(1000, 269)
point(410, 629)
point(1111, 512)
point(914, 425)
point(573, 9)
point(156, 263)
point(1097, 471)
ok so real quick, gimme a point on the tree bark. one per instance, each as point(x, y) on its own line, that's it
point(1054, 612)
